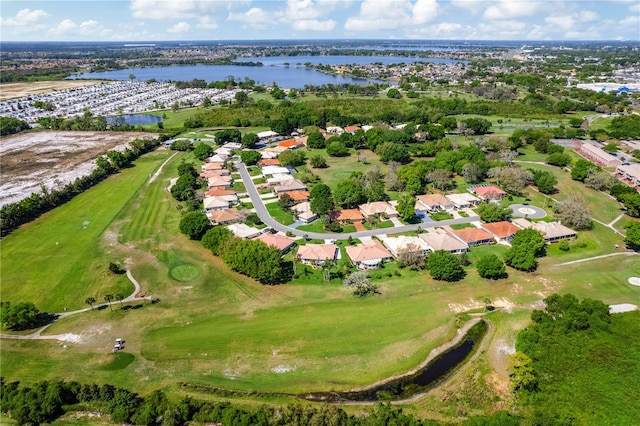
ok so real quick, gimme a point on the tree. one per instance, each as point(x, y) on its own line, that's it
point(120, 298)
point(511, 179)
point(316, 140)
point(532, 239)
point(108, 298)
point(285, 201)
point(521, 257)
point(250, 157)
point(631, 203)
point(392, 180)
point(215, 237)
point(581, 169)
point(250, 140)
point(292, 157)
point(492, 212)
point(321, 199)
point(444, 266)
point(337, 149)
point(90, 301)
point(479, 126)
point(544, 180)
point(254, 259)
point(559, 159)
point(318, 162)
point(228, 135)
point(573, 212)
point(360, 283)
point(202, 151)
point(599, 180)
point(521, 372)
point(391, 151)
point(194, 224)
point(406, 206)
point(490, 267)
point(441, 179)
point(472, 173)
point(349, 193)
point(411, 256)
point(19, 316)
point(633, 235)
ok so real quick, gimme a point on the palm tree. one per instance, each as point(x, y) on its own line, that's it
point(120, 296)
point(108, 298)
point(90, 301)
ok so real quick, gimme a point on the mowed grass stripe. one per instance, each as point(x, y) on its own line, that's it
point(56, 261)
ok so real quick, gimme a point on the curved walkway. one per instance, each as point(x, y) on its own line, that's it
point(37, 334)
point(157, 173)
point(626, 253)
point(264, 215)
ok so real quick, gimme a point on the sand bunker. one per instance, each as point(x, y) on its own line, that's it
point(635, 281)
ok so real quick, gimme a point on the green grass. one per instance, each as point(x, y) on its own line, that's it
point(378, 225)
point(173, 119)
point(342, 167)
point(278, 214)
point(440, 215)
point(316, 226)
point(69, 248)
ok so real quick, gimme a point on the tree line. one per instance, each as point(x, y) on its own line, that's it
point(15, 214)
point(46, 401)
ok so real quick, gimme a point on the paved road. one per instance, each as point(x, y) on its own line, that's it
point(264, 215)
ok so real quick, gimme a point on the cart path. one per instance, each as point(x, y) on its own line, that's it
point(37, 334)
point(627, 253)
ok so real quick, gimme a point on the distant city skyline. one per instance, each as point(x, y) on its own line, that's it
point(151, 20)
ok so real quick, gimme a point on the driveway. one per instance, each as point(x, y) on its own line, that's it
point(263, 214)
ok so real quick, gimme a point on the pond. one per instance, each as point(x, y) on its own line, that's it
point(134, 119)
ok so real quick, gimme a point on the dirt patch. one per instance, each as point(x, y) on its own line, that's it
point(53, 159)
point(18, 90)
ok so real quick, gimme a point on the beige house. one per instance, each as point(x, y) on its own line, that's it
point(303, 212)
point(368, 255)
point(551, 231)
point(598, 156)
point(405, 243)
point(317, 254)
point(630, 174)
point(279, 241)
point(224, 216)
point(439, 239)
point(378, 209)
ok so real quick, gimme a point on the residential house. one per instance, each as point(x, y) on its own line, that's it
point(212, 166)
point(487, 192)
point(368, 255)
point(220, 181)
point(473, 236)
point(267, 135)
point(503, 231)
point(225, 216)
point(463, 201)
point(275, 170)
point(303, 212)
point(212, 173)
point(317, 254)
point(378, 209)
point(218, 158)
point(405, 243)
point(551, 231)
point(598, 155)
point(296, 196)
point(279, 179)
point(630, 174)
point(351, 129)
point(431, 202)
point(291, 185)
point(335, 130)
point(346, 215)
point(269, 162)
point(216, 191)
point(290, 144)
point(279, 241)
point(242, 230)
point(439, 239)
point(219, 202)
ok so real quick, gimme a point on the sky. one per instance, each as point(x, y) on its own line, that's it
point(150, 20)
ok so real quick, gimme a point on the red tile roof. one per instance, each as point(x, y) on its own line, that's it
point(346, 214)
point(269, 162)
point(281, 242)
point(296, 195)
point(502, 229)
point(489, 191)
point(472, 235)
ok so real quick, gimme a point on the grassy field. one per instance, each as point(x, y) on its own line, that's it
point(65, 244)
point(342, 167)
point(212, 326)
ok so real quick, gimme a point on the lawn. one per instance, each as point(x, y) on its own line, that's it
point(69, 245)
point(342, 167)
point(215, 327)
point(281, 216)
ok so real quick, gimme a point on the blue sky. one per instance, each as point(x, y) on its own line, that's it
point(138, 20)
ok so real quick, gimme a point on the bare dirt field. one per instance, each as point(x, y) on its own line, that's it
point(18, 90)
point(53, 159)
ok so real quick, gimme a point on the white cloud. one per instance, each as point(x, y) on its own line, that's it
point(24, 17)
point(254, 17)
point(634, 8)
point(563, 22)
point(179, 28)
point(474, 6)
point(588, 16)
point(389, 14)
point(90, 28)
point(631, 21)
point(314, 25)
point(205, 22)
point(65, 27)
point(163, 9)
point(511, 9)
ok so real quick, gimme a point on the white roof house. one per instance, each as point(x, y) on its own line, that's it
point(439, 239)
point(267, 134)
point(463, 200)
point(275, 170)
point(404, 243)
point(279, 179)
point(303, 212)
point(244, 231)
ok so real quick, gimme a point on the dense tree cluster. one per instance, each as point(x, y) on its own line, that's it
point(526, 246)
point(194, 224)
point(18, 316)
point(573, 212)
point(187, 184)
point(491, 267)
point(493, 212)
point(444, 266)
point(10, 126)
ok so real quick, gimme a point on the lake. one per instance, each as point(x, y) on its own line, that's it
point(274, 70)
